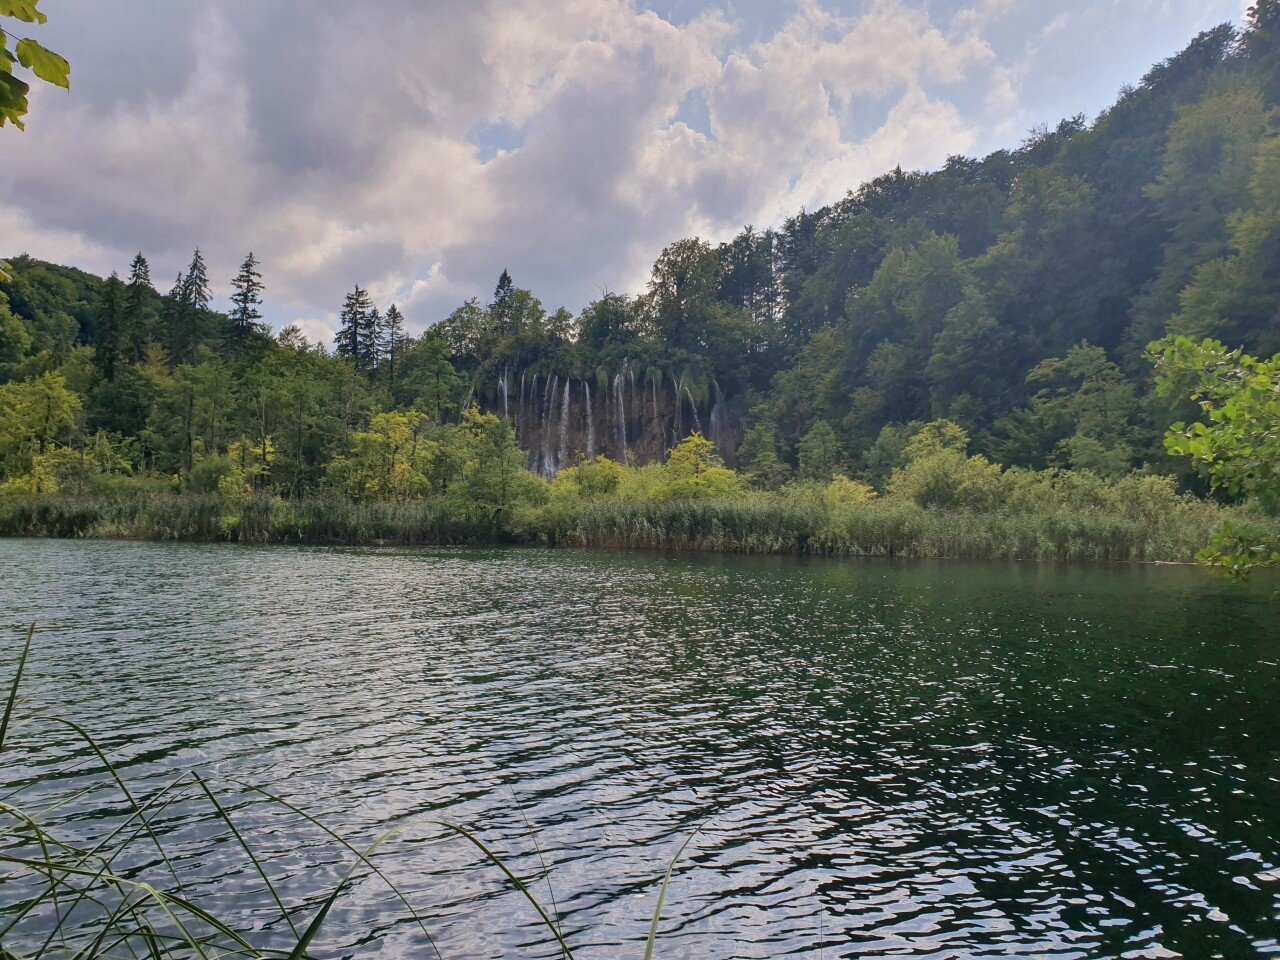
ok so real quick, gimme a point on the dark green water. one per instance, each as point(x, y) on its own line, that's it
point(928, 760)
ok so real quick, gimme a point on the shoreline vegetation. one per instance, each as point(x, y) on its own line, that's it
point(765, 525)
point(940, 503)
point(1063, 350)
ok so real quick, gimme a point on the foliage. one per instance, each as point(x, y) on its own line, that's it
point(1237, 444)
point(938, 473)
point(913, 340)
point(693, 470)
point(44, 64)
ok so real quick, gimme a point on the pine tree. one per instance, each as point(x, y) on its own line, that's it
point(503, 291)
point(170, 318)
point(390, 342)
point(354, 338)
point(500, 309)
point(369, 341)
point(110, 319)
point(137, 303)
point(246, 299)
point(192, 310)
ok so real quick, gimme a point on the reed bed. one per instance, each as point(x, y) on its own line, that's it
point(748, 524)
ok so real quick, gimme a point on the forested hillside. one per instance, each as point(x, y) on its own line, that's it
point(1013, 295)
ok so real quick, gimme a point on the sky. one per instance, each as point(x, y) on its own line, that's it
point(419, 147)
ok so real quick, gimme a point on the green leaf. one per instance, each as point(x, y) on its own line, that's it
point(45, 64)
point(13, 100)
point(24, 10)
point(6, 58)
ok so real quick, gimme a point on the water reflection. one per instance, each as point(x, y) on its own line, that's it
point(926, 760)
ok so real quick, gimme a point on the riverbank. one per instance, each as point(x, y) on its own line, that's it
point(745, 524)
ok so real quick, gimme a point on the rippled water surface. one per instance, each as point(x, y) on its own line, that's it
point(927, 760)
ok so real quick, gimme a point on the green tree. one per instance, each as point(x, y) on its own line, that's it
point(246, 297)
point(694, 470)
point(190, 312)
point(356, 333)
point(109, 331)
point(428, 380)
point(138, 299)
point(393, 460)
point(821, 456)
point(937, 472)
point(490, 478)
point(1083, 415)
point(391, 342)
point(1236, 446)
point(758, 459)
point(35, 415)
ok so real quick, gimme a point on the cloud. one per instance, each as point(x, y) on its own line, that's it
point(418, 149)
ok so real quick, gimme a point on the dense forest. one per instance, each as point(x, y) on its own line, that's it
point(1002, 306)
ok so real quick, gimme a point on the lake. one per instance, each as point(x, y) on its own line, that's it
point(942, 760)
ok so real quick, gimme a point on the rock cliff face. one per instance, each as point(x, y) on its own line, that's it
point(630, 417)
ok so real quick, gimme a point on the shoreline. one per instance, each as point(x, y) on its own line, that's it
point(758, 526)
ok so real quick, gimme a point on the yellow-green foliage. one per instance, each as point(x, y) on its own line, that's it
point(34, 416)
point(694, 471)
point(843, 492)
point(938, 473)
point(599, 477)
point(392, 460)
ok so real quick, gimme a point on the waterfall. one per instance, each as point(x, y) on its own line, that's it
point(506, 413)
point(620, 402)
point(520, 431)
point(679, 409)
point(697, 424)
point(564, 427)
point(715, 425)
point(548, 463)
point(653, 382)
point(591, 427)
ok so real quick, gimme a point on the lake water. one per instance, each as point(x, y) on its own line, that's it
point(937, 760)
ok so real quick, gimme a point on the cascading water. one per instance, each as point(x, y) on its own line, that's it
point(716, 422)
point(679, 408)
point(657, 429)
point(520, 427)
point(506, 412)
point(548, 467)
point(591, 427)
point(620, 402)
point(697, 423)
point(563, 459)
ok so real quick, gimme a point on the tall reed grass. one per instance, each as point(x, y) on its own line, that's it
point(753, 523)
point(109, 886)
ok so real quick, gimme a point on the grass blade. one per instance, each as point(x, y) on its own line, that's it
point(662, 896)
point(520, 884)
point(13, 690)
point(313, 928)
point(284, 912)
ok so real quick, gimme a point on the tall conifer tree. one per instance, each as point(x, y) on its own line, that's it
point(355, 331)
point(390, 342)
point(370, 346)
point(137, 307)
point(246, 299)
point(110, 321)
point(192, 310)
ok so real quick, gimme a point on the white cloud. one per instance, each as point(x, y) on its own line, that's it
point(339, 141)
